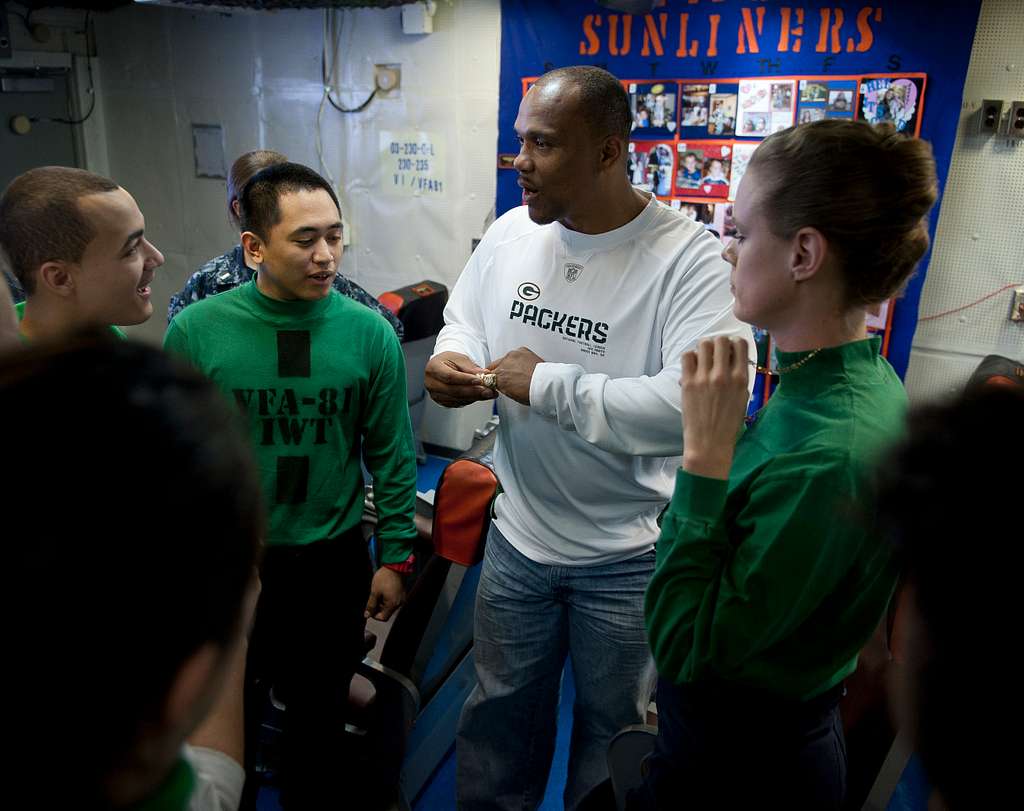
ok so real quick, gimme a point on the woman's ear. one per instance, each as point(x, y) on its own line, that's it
point(809, 251)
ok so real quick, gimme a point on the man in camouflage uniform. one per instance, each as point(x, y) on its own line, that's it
point(17, 294)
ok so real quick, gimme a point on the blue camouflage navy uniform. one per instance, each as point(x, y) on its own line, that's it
point(229, 271)
point(17, 294)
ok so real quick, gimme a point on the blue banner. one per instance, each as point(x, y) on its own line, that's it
point(836, 59)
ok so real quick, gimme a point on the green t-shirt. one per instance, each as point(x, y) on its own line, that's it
point(19, 308)
point(321, 384)
point(773, 579)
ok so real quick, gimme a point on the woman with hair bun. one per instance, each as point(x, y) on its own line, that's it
point(769, 579)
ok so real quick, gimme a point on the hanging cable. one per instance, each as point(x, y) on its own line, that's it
point(358, 109)
point(320, 142)
point(972, 304)
point(328, 76)
point(91, 92)
point(320, 111)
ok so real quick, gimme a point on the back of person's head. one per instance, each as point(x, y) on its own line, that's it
point(260, 197)
point(601, 98)
point(133, 523)
point(950, 501)
point(244, 167)
point(41, 221)
point(866, 188)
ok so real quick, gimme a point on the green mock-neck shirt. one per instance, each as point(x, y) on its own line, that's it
point(321, 385)
point(774, 578)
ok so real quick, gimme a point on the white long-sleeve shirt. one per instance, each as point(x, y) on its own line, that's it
point(219, 780)
point(589, 465)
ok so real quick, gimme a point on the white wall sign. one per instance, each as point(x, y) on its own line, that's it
point(208, 146)
point(412, 163)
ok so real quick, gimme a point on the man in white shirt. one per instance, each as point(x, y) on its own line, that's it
point(581, 303)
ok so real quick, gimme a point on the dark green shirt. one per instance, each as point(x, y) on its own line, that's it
point(773, 579)
point(322, 384)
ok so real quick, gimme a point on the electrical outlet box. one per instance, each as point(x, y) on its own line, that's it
point(418, 18)
point(1017, 310)
point(1015, 126)
point(990, 115)
point(388, 80)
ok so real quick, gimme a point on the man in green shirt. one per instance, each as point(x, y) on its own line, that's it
point(320, 381)
point(76, 243)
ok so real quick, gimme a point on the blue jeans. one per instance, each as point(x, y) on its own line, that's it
point(529, 616)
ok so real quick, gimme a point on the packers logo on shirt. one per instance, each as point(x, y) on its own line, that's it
point(572, 271)
point(529, 291)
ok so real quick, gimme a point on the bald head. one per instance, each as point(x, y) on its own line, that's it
point(599, 98)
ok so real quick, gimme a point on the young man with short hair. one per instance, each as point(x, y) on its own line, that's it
point(121, 631)
point(230, 270)
point(76, 244)
point(321, 382)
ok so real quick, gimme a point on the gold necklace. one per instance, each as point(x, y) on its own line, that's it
point(783, 369)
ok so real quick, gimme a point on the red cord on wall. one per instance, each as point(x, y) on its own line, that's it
point(972, 304)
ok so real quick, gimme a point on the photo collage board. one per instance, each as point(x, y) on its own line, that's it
point(693, 138)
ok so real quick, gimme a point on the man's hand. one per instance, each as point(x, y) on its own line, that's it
point(451, 380)
point(387, 593)
point(515, 372)
point(715, 397)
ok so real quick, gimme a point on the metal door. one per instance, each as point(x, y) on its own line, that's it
point(36, 95)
